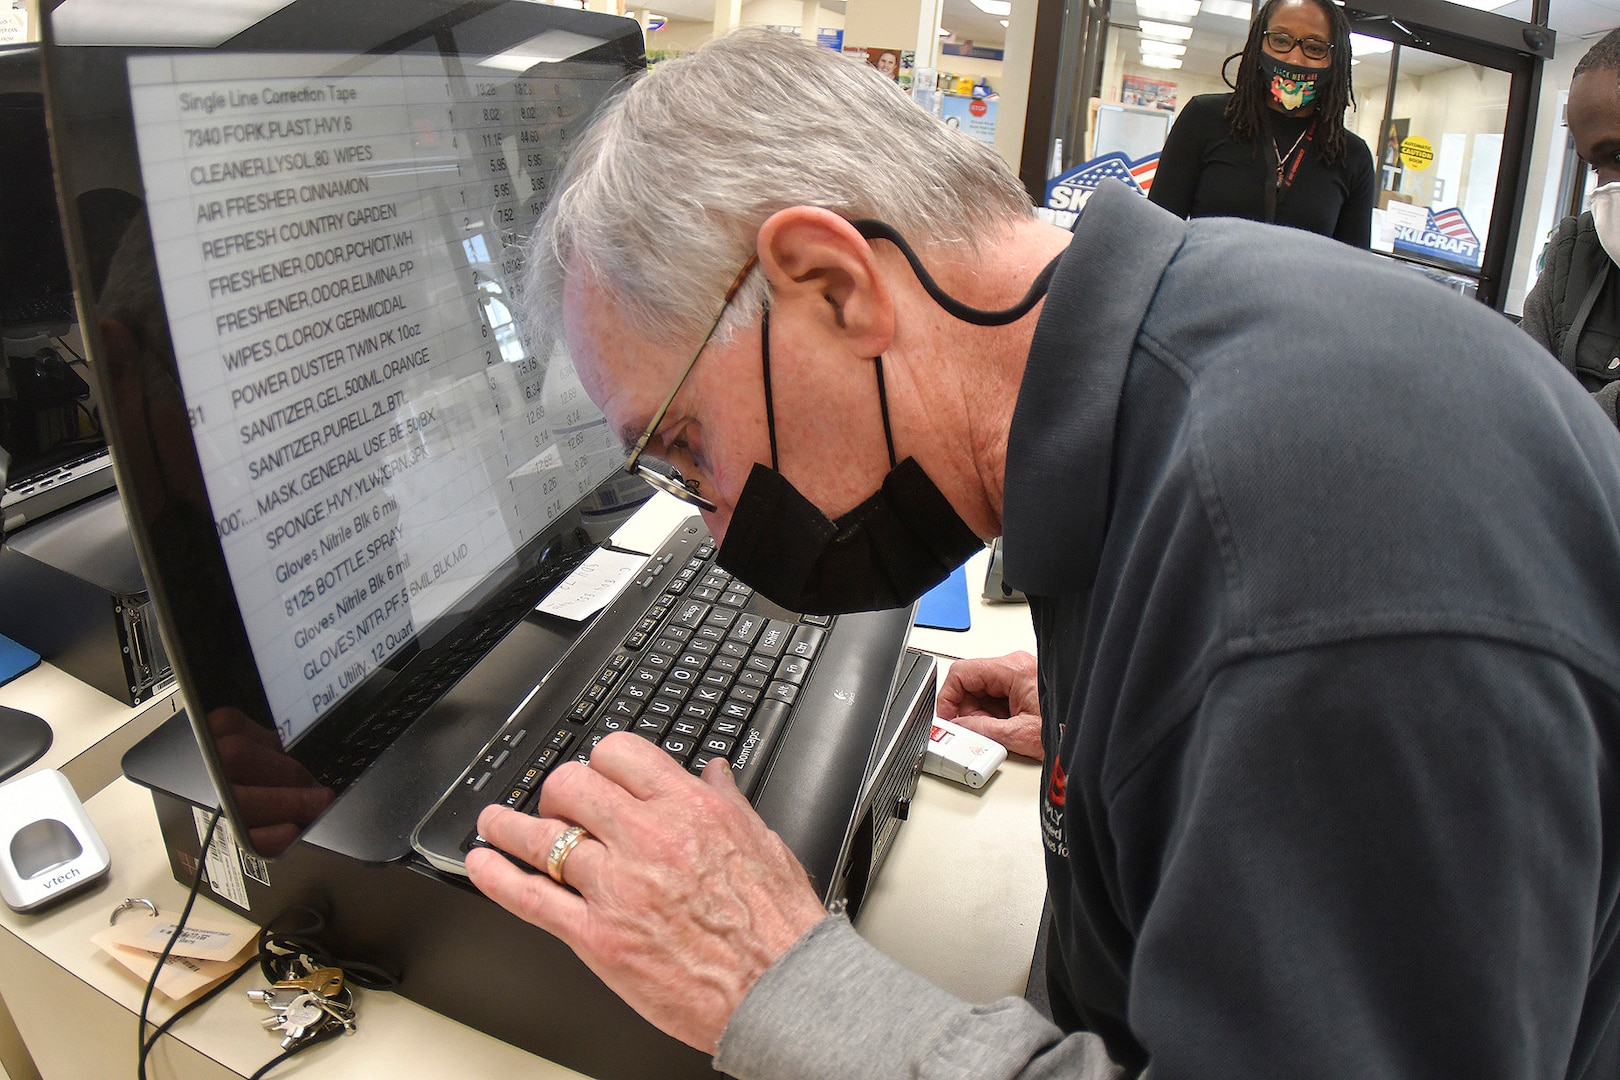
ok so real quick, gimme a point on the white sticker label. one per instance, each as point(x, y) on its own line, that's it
point(224, 868)
point(202, 939)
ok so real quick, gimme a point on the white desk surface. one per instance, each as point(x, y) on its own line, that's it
point(958, 901)
point(90, 730)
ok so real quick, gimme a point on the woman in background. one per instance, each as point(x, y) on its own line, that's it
point(1275, 149)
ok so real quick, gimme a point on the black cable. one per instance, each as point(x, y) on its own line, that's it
point(143, 1047)
point(331, 1031)
point(276, 946)
point(213, 992)
point(63, 342)
point(282, 953)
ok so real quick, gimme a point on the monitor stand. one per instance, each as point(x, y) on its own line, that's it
point(24, 738)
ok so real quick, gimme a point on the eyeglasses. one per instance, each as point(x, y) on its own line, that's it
point(1282, 44)
point(672, 481)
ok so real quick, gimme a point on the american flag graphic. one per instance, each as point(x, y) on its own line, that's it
point(1111, 166)
point(1069, 191)
point(1142, 172)
point(1452, 223)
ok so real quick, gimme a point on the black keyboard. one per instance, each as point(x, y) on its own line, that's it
point(339, 754)
point(54, 475)
point(38, 310)
point(708, 671)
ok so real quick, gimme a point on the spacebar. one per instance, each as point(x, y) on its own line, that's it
point(755, 744)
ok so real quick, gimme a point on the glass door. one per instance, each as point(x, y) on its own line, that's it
point(1445, 96)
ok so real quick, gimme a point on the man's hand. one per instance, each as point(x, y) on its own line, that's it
point(996, 697)
point(277, 796)
point(684, 896)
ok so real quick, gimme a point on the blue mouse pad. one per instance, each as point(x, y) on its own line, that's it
point(15, 659)
point(945, 607)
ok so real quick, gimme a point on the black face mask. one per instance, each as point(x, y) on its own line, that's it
point(1293, 88)
point(888, 551)
point(885, 553)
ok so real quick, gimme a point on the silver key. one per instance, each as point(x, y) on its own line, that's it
point(302, 1019)
point(277, 1011)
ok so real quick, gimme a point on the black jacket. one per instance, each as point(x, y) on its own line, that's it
point(1330, 683)
point(1574, 309)
point(1204, 171)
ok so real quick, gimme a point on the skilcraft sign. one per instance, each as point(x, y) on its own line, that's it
point(1070, 190)
point(1446, 235)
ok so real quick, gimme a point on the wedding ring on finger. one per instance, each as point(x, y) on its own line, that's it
point(561, 848)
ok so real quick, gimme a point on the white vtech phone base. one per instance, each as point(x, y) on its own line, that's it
point(48, 848)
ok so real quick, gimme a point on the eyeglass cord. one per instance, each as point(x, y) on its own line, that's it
point(873, 229)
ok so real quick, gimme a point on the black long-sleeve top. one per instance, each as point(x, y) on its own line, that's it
point(1205, 172)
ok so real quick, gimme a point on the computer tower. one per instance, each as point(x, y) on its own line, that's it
point(73, 592)
point(459, 954)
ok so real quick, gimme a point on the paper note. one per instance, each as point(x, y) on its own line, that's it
point(202, 939)
point(1405, 215)
point(181, 978)
point(593, 585)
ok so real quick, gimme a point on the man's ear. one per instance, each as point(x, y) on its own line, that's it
point(817, 263)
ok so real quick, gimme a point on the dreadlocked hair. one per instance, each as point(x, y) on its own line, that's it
point(1251, 96)
point(1604, 56)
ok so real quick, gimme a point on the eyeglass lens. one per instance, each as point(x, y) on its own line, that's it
point(1314, 48)
point(675, 484)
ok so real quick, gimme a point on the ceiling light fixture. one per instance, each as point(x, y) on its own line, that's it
point(551, 47)
point(159, 22)
point(1150, 47)
point(1362, 45)
point(1180, 10)
point(1165, 31)
point(994, 7)
point(1169, 63)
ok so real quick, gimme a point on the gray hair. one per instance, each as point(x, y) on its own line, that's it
point(663, 197)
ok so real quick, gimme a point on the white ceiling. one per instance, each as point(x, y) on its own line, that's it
point(962, 19)
point(1572, 19)
point(1214, 36)
point(968, 23)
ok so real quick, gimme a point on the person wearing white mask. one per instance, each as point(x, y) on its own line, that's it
point(1574, 309)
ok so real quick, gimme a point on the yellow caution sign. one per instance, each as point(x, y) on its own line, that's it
point(1416, 152)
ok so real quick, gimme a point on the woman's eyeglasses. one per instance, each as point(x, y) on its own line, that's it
point(1313, 48)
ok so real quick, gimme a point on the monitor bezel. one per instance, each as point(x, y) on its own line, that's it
point(179, 546)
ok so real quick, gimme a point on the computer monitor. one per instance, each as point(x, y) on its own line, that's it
point(36, 290)
point(51, 449)
point(347, 468)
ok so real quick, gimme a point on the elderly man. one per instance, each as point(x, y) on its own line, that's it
point(1321, 561)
